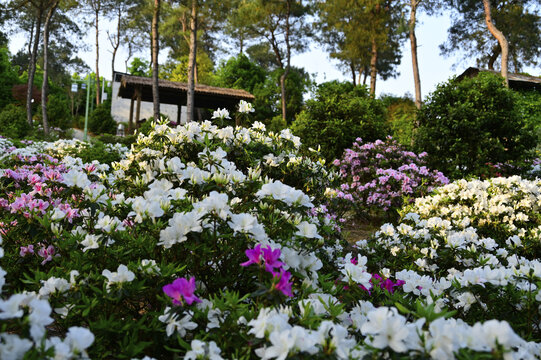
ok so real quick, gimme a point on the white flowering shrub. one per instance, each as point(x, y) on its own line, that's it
point(504, 209)
point(472, 247)
point(213, 243)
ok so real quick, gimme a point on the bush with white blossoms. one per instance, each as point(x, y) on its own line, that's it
point(214, 243)
point(472, 247)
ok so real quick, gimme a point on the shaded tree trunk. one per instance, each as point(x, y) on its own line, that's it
point(155, 52)
point(31, 38)
point(115, 40)
point(353, 75)
point(495, 53)
point(32, 68)
point(373, 67)
point(190, 101)
point(288, 64)
point(97, 9)
point(501, 40)
point(130, 54)
point(414, 61)
point(45, 84)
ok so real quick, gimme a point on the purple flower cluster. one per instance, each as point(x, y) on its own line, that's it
point(268, 258)
point(323, 210)
point(46, 252)
point(381, 174)
point(44, 181)
point(386, 284)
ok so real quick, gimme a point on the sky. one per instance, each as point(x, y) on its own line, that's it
point(433, 67)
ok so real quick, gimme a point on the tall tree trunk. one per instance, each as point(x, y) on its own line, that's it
point(501, 40)
point(495, 53)
point(155, 52)
point(32, 68)
point(365, 76)
point(373, 67)
point(115, 40)
point(130, 53)
point(414, 61)
point(353, 75)
point(190, 100)
point(45, 84)
point(96, 25)
point(31, 38)
point(288, 64)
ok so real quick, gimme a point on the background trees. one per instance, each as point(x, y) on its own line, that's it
point(518, 20)
point(249, 44)
point(337, 115)
point(364, 35)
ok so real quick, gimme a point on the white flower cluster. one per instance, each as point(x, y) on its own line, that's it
point(121, 275)
point(383, 328)
point(36, 311)
point(511, 202)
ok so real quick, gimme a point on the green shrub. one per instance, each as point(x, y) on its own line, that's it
point(97, 151)
point(401, 114)
point(337, 115)
point(13, 122)
point(58, 110)
point(145, 127)
point(113, 139)
point(530, 109)
point(469, 126)
point(101, 121)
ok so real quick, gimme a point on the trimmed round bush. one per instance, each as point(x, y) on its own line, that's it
point(338, 114)
point(468, 126)
point(101, 121)
point(13, 122)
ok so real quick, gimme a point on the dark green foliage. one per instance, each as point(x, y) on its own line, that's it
point(58, 109)
point(401, 113)
point(8, 78)
point(13, 122)
point(97, 151)
point(145, 128)
point(337, 115)
point(240, 73)
point(466, 125)
point(101, 121)
point(518, 20)
point(530, 110)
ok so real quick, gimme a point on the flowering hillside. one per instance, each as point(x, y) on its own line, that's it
point(207, 242)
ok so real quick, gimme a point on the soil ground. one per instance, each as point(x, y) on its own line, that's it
point(359, 229)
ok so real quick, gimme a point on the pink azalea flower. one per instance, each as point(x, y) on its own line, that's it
point(271, 258)
point(26, 250)
point(254, 256)
point(182, 289)
point(283, 283)
point(46, 253)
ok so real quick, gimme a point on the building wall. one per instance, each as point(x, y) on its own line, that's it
point(120, 108)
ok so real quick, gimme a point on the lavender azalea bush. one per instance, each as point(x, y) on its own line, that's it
point(378, 176)
point(202, 243)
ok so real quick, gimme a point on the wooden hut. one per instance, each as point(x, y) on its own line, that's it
point(138, 89)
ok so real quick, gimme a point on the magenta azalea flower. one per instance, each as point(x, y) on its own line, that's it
point(254, 256)
point(181, 289)
point(271, 258)
point(283, 284)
